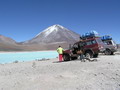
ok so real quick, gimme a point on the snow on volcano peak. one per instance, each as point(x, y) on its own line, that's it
point(51, 29)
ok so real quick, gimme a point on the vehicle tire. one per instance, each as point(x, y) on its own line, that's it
point(66, 57)
point(108, 52)
point(112, 53)
point(88, 54)
point(95, 55)
point(73, 58)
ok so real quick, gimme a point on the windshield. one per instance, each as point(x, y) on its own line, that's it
point(99, 40)
point(114, 42)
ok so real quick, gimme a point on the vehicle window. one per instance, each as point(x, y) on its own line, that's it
point(109, 43)
point(89, 43)
point(82, 44)
point(94, 42)
point(99, 40)
point(113, 42)
point(105, 42)
point(75, 46)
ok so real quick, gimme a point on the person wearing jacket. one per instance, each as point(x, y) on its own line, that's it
point(60, 52)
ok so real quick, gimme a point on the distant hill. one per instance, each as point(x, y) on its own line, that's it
point(6, 40)
point(8, 44)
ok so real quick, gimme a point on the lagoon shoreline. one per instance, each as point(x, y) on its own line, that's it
point(24, 51)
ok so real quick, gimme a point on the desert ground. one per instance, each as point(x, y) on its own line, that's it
point(103, 74)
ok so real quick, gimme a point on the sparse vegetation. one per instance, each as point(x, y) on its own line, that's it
point(16, 61)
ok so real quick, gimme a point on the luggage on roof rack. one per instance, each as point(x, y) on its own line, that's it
point(90, 34)
point(106, 37)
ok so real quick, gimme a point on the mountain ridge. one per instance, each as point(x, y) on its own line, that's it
point(53, 34)
point(49, 39)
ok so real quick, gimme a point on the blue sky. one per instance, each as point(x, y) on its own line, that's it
point(23, 19)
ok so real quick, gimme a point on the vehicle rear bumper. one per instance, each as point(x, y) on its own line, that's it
point(114, 50)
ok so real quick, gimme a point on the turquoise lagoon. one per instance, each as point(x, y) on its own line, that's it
point(26, 56)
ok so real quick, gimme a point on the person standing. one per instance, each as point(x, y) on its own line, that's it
point(81, 48)
point(60, 52)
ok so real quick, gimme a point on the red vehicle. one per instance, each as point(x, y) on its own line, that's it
point(91, 47)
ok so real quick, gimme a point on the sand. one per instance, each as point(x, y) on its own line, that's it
point(103, 74)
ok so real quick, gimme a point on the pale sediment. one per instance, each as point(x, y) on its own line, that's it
point(52, 75)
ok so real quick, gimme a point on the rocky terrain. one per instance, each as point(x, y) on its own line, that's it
point(103, 74)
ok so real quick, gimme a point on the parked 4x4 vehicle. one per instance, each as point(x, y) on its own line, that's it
point(110, 47)
point(109, 44)
point(92, 47)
